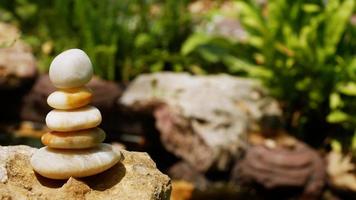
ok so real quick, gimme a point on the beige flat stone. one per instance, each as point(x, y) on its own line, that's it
point(63, 164)
point(70, 98)
point(70, 69)
point(73, 120)
point(74, 140)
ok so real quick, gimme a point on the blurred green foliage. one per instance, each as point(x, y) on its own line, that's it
point(309, 49)
point(304, 50)
point(122, 37)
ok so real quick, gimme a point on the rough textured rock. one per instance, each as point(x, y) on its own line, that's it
point(202, 119)
point(136, 177)
point(274, 167)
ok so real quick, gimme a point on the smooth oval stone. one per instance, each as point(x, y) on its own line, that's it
point(73, 120)
point(70, 69)
point(63, 163)
point(74, 140)
point(70, 98)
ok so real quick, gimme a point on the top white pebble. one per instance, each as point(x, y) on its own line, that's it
point(70, 69)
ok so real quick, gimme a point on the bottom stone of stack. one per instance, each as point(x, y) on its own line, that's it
point(75, 139)
point(63, 164)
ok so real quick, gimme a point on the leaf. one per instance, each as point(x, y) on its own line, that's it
point(310, 8)
point(353, 142)
point(250, 16)
point(336, 146)
point(335, 101)
point(158, 66)
point(351, 68)
point(336, 24)
point(212, 53)
point(347, 88)
point(235, 65)
point(143, 40)
point(304, 84)
point(26, 10)
point(193, 42)
point(337, 117)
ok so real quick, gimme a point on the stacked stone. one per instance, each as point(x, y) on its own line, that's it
point(74, 146)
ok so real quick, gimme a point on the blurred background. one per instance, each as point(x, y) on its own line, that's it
point(232, 99)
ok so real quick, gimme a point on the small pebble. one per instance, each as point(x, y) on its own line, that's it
point(66, 99)
point(70, 69)
point(74, 140)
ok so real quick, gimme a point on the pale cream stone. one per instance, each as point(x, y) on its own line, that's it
point(74, 140)
point(63, 163)
point(73, 120)
point(71, 68)
point(70, 98)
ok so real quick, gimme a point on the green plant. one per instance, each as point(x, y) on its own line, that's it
point(303, 50)
point(307, 46)
point(123, 37)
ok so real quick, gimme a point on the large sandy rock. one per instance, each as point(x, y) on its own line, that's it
point(201, 119)
point(136, 177)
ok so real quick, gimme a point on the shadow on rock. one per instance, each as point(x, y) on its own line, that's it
point(107, 179)
point(50, 183)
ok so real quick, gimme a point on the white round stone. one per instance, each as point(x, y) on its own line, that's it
point(63, 164)
point(71, 68)
point(73, 120)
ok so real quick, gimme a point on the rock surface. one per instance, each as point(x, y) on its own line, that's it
point(201, 119)
point(276, 167)
point(135, 177)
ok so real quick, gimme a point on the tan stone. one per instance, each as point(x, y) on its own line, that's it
point(74, 140)
point(63, 163)
point(134, 178)
point(73, 120)
point(70, 98)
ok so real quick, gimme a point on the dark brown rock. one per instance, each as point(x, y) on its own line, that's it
point(297, 167)
point(178, 136)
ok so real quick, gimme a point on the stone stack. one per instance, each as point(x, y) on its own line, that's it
point(74, 146)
